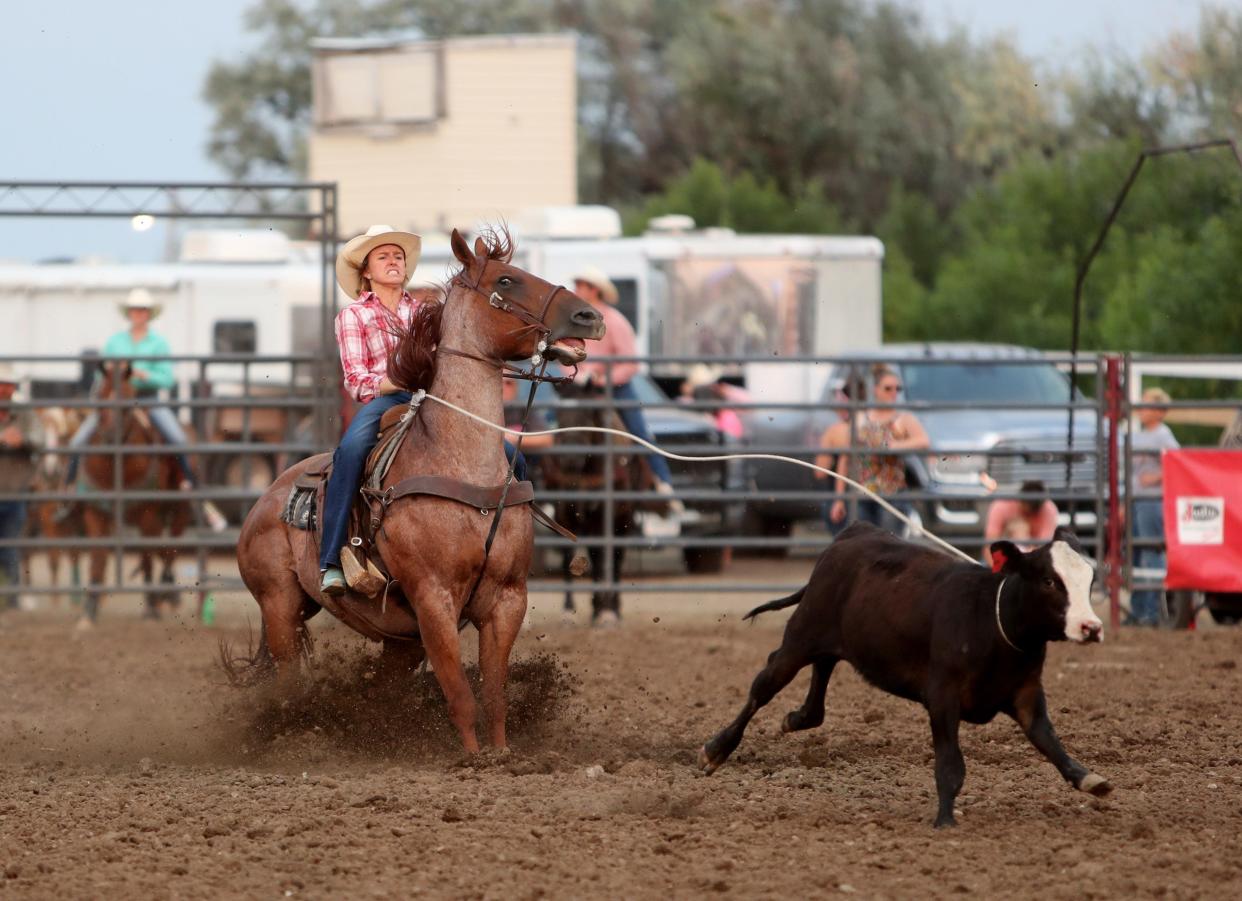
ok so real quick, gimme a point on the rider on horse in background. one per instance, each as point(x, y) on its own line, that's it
point(149, 377)
point(619, 341)
point(373, 268)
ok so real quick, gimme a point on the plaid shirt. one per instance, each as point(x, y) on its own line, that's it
point(364, 331)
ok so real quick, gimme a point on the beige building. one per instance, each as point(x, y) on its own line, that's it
point(429, 135)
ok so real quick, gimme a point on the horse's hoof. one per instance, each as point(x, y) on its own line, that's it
point(607, 619)
point(1096, 785)
point(82, 627)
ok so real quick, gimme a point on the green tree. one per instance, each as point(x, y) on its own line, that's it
point(744, 203)
point(1204, 73)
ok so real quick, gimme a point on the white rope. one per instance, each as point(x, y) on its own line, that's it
point(915, 528)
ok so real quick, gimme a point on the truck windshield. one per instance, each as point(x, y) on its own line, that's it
point(979, 382)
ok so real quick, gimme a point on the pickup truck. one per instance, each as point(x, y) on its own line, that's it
point(1009, 445)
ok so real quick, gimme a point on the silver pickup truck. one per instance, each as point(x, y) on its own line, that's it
point(985, 435)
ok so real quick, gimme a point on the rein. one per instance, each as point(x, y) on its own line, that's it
point(504, 493)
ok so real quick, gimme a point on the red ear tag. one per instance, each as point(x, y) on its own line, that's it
point(998, 561)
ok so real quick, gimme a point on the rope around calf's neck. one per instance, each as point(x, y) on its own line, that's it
point(915, 528)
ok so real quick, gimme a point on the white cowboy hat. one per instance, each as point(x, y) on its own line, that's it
point(353, 255)
point(8, 375)
point(596, 278)
point(701, 374)
point(141, 299)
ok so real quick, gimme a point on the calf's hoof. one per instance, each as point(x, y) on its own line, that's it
point(1094, 784)
point(708, 764)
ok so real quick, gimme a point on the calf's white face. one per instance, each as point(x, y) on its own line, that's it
point(1081, 623)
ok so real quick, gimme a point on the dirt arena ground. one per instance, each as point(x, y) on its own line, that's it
point(129, 769)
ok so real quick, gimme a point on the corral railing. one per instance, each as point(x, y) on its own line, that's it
point(1019, 440)
point(247, 418)
point(255, 415)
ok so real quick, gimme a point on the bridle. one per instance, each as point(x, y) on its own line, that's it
point(531, 322)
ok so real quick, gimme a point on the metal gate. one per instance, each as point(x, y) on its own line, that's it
point(311, 402)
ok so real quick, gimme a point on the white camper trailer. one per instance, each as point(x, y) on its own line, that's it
point(696, 293)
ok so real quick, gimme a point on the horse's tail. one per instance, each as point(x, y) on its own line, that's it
point(250, 668)
point(779, 604)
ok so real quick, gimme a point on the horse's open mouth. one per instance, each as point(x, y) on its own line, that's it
point(567, 350)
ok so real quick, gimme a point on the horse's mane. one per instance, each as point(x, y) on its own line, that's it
point(413, 365)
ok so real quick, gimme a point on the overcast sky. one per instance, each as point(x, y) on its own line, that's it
point(99, 91)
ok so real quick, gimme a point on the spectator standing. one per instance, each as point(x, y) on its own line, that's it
point(1026, 522)
point(889, 433)
point(1147, 487)
point(619, 341)
point(20, 435)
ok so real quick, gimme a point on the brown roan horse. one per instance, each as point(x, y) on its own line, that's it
point(431, 546)
point(139, 471)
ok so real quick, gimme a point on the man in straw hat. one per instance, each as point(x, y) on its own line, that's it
point(19, 435)
point(149, 375)
point(619, 341)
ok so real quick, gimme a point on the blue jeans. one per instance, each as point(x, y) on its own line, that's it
point(165, 422)
point(1148, 523)
point(872, 512)
point(12, 519)
point(636, 424)
point(868, 511)
point(347, 465)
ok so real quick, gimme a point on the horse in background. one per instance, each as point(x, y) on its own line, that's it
point(130, 425)
point(584, 406)
point(46, 519)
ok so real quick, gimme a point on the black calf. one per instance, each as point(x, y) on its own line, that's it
point(964, 642)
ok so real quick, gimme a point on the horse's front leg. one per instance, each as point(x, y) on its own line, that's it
point(96, 526)
point(496, 637)
point(437, 627)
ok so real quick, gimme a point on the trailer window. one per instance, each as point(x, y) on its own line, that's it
point(235, 336)
point(627, 299)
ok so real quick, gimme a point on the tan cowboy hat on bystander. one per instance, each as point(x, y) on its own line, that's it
point(8, 375)
point(353, 256)
point(141, 299)
point(597, 279)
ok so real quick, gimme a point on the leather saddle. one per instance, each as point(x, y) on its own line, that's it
point(372, 501)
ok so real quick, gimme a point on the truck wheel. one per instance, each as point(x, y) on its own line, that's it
point(761, 526)
point(1179, 609)
point(704, 560)
point(230, 472)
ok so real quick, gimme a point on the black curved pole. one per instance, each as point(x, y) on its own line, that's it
point(1085, 267)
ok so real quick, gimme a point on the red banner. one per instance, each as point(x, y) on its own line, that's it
point(1203, 519)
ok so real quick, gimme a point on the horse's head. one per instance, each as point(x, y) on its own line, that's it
point(523, 310)
point(113, 384)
